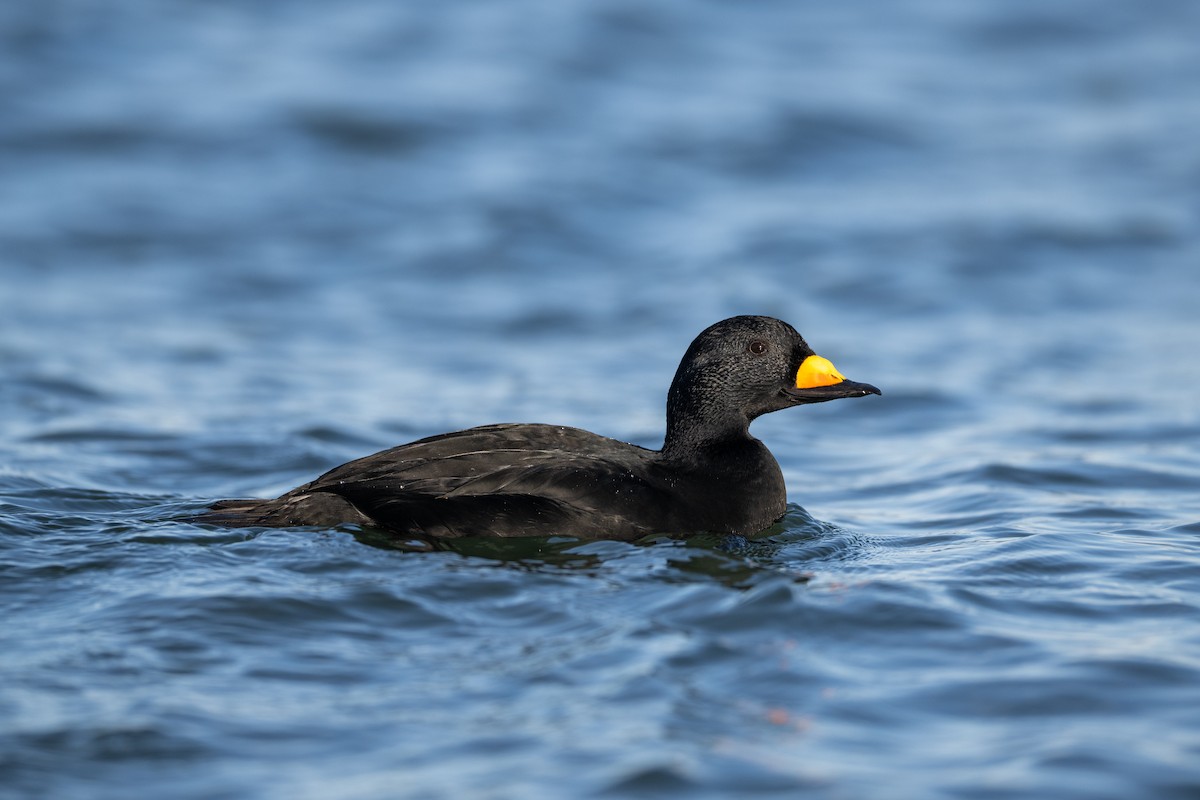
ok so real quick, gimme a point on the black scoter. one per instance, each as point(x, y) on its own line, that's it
point(711, 475)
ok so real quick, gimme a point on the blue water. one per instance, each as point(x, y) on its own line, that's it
point(243, 243)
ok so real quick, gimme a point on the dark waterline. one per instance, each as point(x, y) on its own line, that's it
point(240, 246)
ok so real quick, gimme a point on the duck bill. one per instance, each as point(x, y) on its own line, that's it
point(817, 381)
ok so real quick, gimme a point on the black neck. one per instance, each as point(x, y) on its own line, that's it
point(696, 423)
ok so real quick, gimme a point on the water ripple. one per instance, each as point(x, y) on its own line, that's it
point(243, 243)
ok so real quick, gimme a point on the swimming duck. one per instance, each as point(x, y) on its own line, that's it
point(711, 475)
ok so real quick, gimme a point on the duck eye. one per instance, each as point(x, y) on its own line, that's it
point(757, 347)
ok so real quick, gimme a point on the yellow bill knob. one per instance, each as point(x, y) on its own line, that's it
point(816, 371)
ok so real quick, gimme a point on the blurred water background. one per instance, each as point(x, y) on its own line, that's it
point(241, 243)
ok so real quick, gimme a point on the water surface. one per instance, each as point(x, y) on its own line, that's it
point(240, 246)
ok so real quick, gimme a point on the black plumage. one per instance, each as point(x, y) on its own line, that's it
point(711, 475)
